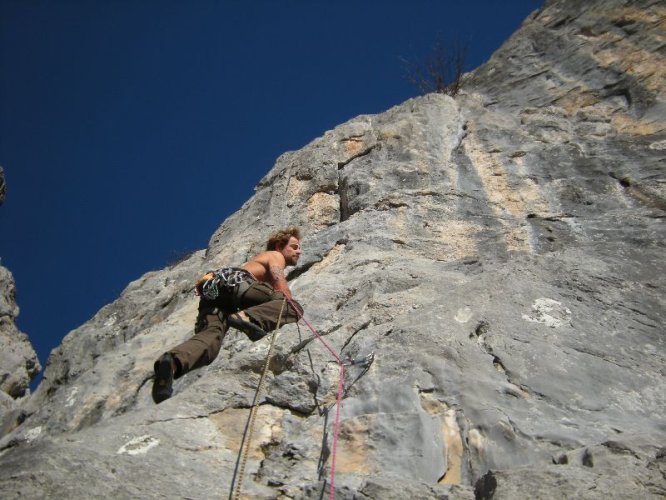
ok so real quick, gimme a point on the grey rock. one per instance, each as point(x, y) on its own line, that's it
point(500, 252)
point(625, 468)
point(18, 360)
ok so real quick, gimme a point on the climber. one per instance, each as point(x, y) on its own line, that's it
point(248, 298)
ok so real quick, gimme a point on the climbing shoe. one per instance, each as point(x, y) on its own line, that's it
point(254, 332)
point(162, 385)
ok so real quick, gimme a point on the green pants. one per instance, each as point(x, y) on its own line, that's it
point(258, 300)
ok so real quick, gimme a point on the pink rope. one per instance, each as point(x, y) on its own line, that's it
point(336, 428)
point(341, 382)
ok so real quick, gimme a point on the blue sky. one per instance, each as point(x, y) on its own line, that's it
point(130, 130)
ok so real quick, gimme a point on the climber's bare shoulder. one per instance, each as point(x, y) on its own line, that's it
point(268, 267)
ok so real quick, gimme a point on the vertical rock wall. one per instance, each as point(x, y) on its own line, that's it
point(502, 255)
point(18, 360)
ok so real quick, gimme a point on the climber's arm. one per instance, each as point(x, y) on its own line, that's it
point(278, 280)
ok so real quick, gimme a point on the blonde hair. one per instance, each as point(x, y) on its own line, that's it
point(281, 238)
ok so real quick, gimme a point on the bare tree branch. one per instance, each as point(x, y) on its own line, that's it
point(442, 72)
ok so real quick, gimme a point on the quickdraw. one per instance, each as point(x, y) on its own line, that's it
point(363, 360)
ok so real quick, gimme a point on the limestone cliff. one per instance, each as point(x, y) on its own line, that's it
point(501, 253)
point(18, 360)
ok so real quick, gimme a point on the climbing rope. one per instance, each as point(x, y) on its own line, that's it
point(245, 444)
point(253, 412)
point(338, 399)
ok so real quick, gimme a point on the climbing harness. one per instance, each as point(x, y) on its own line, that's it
point(226, 279)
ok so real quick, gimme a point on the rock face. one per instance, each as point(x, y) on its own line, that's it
point(18, 360)
point(501, 253)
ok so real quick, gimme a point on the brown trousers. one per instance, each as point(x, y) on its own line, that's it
point(258, 300)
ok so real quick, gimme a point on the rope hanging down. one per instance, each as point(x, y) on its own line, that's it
point(341, 381)
point(245, 444)
point(245, 450)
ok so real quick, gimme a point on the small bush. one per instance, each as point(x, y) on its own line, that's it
point(442, 72)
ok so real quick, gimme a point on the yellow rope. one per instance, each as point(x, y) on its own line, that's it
point(253, 410)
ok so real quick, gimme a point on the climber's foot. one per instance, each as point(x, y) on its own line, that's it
point(162, 385)
point(254, 332)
